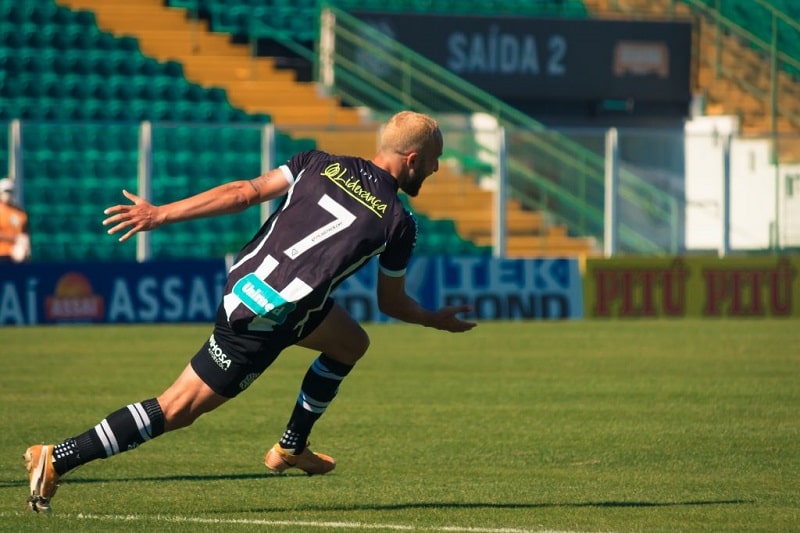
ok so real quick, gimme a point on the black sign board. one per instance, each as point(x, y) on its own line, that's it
point(532, 61)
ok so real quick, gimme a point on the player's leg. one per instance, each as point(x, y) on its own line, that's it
point(125, 429)
point(187, 399)
point(342, 342)
point(339, 336)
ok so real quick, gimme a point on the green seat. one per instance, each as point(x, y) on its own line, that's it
point(231, 19)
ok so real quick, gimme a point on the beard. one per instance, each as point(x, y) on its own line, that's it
point(412, 185)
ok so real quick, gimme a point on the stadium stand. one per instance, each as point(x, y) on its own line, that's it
point(250, 18)
point(103, 66)
point(81, 93)
point(82, 74)
point(733, 74)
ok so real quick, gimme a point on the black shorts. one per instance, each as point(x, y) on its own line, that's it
point(230, 361)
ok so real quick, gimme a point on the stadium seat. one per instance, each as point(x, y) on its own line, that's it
point(59, 65)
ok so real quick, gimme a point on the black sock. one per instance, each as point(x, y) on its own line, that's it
point(320, 386)
point(120, 431)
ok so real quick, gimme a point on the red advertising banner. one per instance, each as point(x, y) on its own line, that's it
point(693, 286)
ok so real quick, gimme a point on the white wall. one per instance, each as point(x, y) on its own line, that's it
point(752, 190)
point(703, 185)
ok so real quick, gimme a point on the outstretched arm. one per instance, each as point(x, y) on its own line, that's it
point(395, 302)
point(224, 199)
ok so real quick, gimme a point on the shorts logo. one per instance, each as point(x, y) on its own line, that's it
point(262, 299)
point(248, 380)
point(216, 353)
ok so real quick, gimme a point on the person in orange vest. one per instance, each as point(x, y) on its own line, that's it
point(15, 242)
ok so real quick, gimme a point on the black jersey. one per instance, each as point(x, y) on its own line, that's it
point(339, 212)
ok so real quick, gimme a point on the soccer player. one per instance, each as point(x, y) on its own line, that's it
point(337, 213)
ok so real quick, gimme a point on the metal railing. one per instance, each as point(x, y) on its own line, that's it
point(778, 59)
point(548, 170)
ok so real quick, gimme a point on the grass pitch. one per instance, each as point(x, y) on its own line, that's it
point(513, 427)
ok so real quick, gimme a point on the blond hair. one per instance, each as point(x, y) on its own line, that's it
point(408, 131)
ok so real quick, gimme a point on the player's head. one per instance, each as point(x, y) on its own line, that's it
point(416, 139)
point(6, 190)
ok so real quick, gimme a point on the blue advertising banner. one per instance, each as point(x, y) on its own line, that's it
point(495, 288)
point(189, 291)
point(126, 292)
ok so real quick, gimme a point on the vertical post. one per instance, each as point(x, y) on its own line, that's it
point(327, 49)
point(267, 164)
point(15, 170)
point(725, 244)
point(717, 41)
point(773, 68)
point(194, 16)
point(677, 229)
point(252, 40)
point(500, 197)
point(773, 77)
point(611, 226)
point(145, 185)
point(776, 225)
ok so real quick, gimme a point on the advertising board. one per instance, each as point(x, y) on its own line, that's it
point(189, 291)
point(709, 287)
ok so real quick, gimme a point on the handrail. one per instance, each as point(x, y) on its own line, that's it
point(587, 166)
point(749, 36)
point(760, 46)
point(415, 75)
point(780, 14)
point(705, 8)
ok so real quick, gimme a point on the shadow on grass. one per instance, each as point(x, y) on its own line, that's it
point(446, 505)
point(21, 482)
point(496, 505)
point(396, 506)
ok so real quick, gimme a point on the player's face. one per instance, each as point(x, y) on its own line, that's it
point(421, 165)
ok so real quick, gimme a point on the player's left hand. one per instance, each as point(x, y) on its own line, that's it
point(141, 216)
point(445, 319)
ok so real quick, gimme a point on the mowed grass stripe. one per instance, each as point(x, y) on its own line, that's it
point(572, 426)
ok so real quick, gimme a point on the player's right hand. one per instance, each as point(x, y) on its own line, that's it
point(140, 216)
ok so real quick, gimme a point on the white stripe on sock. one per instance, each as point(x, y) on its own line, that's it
point(107, 436)
point(142, 421)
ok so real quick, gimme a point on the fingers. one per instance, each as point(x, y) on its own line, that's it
point(461, 325)
point(118, 221)
point(132, 197)
point(123, 217)
point(128, 235)
point(449, 320)
point(121, 224)
point(121, 209)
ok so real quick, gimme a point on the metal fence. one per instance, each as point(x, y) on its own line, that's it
point(716, 191)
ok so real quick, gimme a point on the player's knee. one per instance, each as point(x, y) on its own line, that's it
point(361, 344)
point(176, 417)
point(181, 411)
point(351, 348)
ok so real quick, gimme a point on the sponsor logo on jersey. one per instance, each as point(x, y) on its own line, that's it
point(219, 356)
point(262, 299)
point(352, 186)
